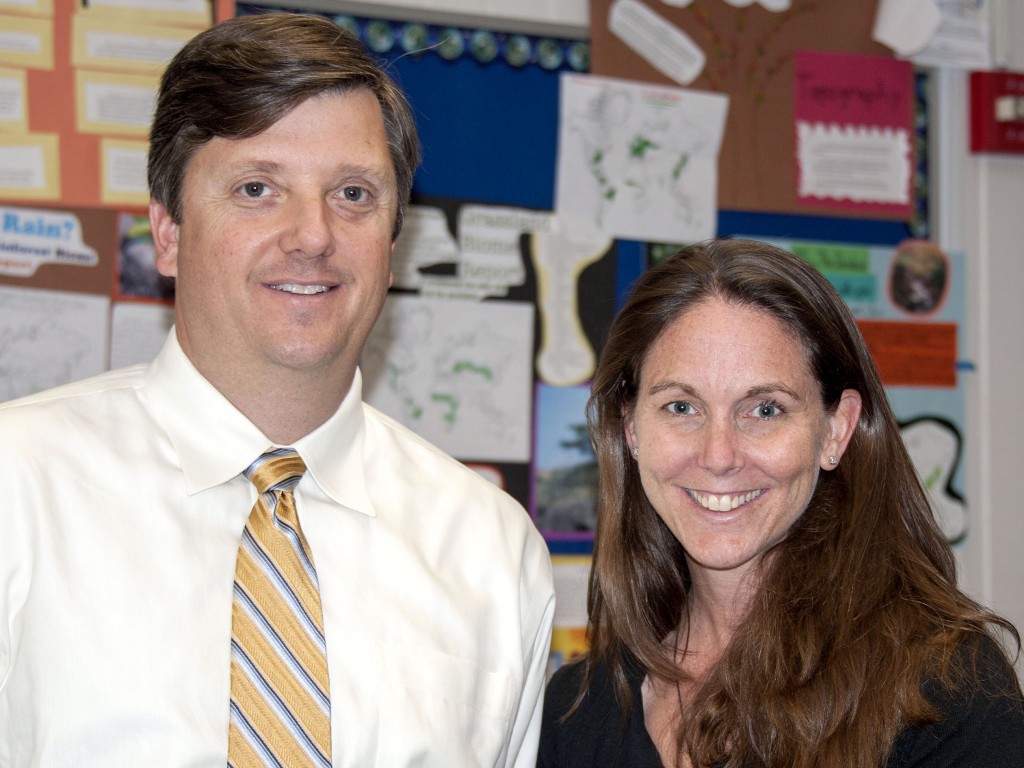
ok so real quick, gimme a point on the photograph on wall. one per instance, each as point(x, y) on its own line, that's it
point(137, 274)
point(565, 467)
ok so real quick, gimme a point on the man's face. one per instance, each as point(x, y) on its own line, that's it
point(282, 256)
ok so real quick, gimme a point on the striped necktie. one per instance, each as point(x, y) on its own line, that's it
point(280, 705)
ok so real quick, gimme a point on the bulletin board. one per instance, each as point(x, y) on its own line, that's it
point(489, 337)
point(477, 310)
point(488, 127)
point(489, 131)
point(496, 320)
point(79, 293)
point(750, 54)
point(86, 97)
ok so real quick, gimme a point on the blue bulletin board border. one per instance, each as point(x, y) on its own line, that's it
point(486, 108)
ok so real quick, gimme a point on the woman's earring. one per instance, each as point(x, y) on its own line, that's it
point(833, 460)
point(636, 453)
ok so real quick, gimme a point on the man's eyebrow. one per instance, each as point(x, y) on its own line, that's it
point(252, 165)
point(262, 165)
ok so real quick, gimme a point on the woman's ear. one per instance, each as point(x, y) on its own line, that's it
point(629, 428)
point(842, 424)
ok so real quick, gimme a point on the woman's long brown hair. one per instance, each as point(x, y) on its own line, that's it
point(857, 605)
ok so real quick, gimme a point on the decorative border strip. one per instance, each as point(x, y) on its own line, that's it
point(485, 46)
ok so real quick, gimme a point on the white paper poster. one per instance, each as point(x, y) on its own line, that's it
point(458, 373)
point(638, 161)
point(48, 338)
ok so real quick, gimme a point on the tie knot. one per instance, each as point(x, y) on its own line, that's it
point(277, 470)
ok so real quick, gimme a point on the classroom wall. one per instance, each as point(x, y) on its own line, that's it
point(977, 200)
point(977, 210)
point(977, 203)
point(980, 212)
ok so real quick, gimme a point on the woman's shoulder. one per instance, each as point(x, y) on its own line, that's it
point(564, 687)
point(981, 716)
point(598, 733)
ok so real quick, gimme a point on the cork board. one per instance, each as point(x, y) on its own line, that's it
point(749, 56)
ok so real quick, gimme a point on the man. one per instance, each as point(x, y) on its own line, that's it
point(281, 160)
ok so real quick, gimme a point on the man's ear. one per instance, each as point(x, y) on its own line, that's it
point(165, 239)
point(842, 425)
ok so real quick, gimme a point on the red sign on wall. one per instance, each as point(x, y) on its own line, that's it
point(997, 112)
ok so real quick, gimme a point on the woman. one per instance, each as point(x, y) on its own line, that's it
point(769, 585)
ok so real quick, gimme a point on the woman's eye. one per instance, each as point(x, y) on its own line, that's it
point(254, 189)
point(354, 194)
point(680, 408)
point(768, 410)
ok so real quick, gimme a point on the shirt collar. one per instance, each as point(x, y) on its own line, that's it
point(336, 452)
point(215, 442)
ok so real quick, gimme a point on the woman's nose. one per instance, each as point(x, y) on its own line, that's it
point(719, 447)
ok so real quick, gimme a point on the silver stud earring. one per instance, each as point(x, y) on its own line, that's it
point(636, 453)
point(833, 460)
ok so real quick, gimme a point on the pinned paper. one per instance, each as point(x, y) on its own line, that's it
point(48, 338)
point(564, 497)
point(103, 43)
point(489, 252)
point(26, 42)
point(459, 373)
point(115, 103)
point(664, 46)
point(934, 446)
point(638, 161)
point(13, 101)
point(906, 26)
point(28, 166)
point(424, 242)
point(854, 117)
point(912, 354)
point(138, 331)
point(30, 238)
point(962, 42)
point(569, 634)
point(123, 174)
point(566, 356)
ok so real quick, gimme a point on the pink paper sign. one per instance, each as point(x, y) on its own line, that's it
point(853, 117)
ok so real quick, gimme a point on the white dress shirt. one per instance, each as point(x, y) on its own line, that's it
point(122, 507)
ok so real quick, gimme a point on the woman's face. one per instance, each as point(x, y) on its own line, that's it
point(731, 432)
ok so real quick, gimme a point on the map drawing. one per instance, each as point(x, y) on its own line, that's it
point(48, 338)
point(637, 161)
point(459, 373)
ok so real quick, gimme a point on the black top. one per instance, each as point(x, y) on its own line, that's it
point(986, 731)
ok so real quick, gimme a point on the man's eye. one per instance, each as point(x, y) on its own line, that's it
point(680, 408)
point(354, 194)
point(254, 189)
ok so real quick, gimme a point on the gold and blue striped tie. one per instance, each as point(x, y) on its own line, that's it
point(280, 701)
